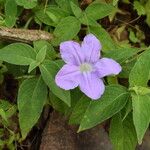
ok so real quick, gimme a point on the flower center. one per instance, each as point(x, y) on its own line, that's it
point(85, 67)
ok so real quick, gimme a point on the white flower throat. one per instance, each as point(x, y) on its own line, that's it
point(85, 67)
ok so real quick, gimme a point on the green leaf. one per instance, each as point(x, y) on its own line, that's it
point(60, 63)
point(141, 114)
point(5, 104)
point(138, 79)
point(50, 52)
point(139, 74)
point(6, 110)
point(31, 98)
point(121, 54)
point(2, 143)
point(33, 65)
point(147, 6)
point(65, 4)
point(139, 90)
point(58, 104)
point(127, 67)
point(11, 111)
point(10, 13)
point(122, 133)
point(3, 115)
point(27, 4)
point(51, 15)
point(133, 37)
point(139, 8)
point(98, 10)
point(79, 110)
point(18, 54)
point(84, 19)
point(49, 70)
point(76, 10)
point(113, 100)
point(62, 107)
point(67, 29)
point(115, 2)
point(39, 59)
point(41, 54)
point(127, 109)
point(104, 37)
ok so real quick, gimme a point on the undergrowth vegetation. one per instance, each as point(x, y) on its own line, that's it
point(31, 32)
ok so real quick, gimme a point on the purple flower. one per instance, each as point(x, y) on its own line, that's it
point(83, 67)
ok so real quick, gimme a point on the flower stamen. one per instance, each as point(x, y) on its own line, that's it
point(85, 67)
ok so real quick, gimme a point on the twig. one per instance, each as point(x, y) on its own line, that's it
point(23, 35)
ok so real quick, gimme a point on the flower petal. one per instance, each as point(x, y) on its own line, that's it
point(91, 48)
point(68, 77)
point(107, 66)
point(71, 52)
point(91, 85)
